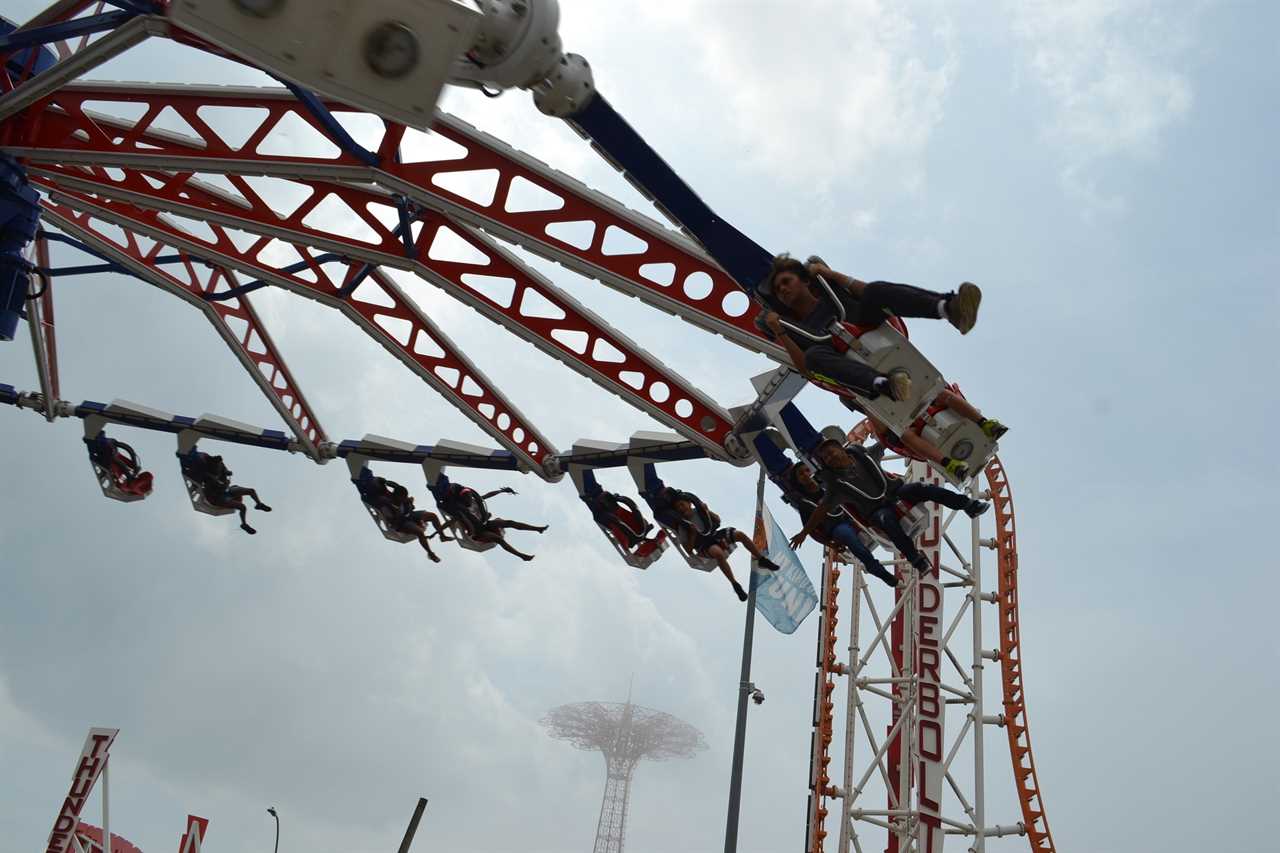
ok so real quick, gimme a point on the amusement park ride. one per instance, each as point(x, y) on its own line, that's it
point(99, 166)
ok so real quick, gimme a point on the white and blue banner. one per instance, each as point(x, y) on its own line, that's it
point(784, 597)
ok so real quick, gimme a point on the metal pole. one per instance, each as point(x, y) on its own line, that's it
point(106, 808)
point(272, 811)
point(413, 825)
point(979, 710)
point(744, 680)
point(740, 732)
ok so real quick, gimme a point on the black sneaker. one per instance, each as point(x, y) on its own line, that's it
point(976, 508)
point(883, 574)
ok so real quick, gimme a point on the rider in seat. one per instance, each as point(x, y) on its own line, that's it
point(837, 528)
point(850, 477)
point(790, 292)
point(663, 503)
point(122, 463)
point(701, 534)
point(466, 509)
point(214, 479)
point(607, 507)
point(393, 502)
point(912, 443)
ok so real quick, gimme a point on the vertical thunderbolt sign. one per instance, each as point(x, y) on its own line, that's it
point(93, 758)
point(930, 706)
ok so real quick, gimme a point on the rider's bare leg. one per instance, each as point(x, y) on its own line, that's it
point(245, 491)
point(426, 543)
point(964, 409)
point(921, 448)
point(960, 406)
point(518, 525)
point(506, 546)
point(718, 554)
point(238, 503)
point(427, 515)
point(747, 542)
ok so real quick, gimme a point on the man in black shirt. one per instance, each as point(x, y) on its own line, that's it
point(850, 477)
point(791, 287)
point(837, 528)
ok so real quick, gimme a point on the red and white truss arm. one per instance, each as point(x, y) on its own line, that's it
point(479, 180)
point(376, 305)
point(75, 56)
point(494, 282)
point(192, 280)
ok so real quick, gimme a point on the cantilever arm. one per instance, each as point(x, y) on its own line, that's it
point(740, 256)
point(234, 320)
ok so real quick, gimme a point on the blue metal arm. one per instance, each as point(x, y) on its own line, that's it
point(745, 260)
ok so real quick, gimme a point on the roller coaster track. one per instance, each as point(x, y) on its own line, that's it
point(1015, 707)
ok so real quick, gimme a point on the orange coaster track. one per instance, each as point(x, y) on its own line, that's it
point(1015, 707)
point(823, 707)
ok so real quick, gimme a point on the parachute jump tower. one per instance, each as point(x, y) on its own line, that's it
point(209, 193)
point(625, 734)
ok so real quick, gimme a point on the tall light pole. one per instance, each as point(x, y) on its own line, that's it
point(272, 811)
point(746, 690)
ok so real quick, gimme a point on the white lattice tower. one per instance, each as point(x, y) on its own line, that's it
point(911, 748)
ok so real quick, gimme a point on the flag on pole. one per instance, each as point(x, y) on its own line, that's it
point(784, 597)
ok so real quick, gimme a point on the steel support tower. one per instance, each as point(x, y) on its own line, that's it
point(625, 734)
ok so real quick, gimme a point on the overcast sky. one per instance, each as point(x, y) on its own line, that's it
point(1105, 169)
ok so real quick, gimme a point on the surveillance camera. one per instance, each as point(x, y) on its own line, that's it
point(757, 696)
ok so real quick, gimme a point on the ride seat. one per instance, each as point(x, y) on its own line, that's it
point(114, 474)
point(643, 553)
point(886, 349)
point(702, 564)
point(627, 531)
point(362, 483)
point(959, 438)
point(459, 530)
point(195, 491)
point(464, 540)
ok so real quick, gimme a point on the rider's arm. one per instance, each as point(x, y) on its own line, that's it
point(838, 279)
point(819, 513)
point(773, 322)
point(793, 352)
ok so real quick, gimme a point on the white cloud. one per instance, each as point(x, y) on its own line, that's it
point(828, 94)
point(1112, 71)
